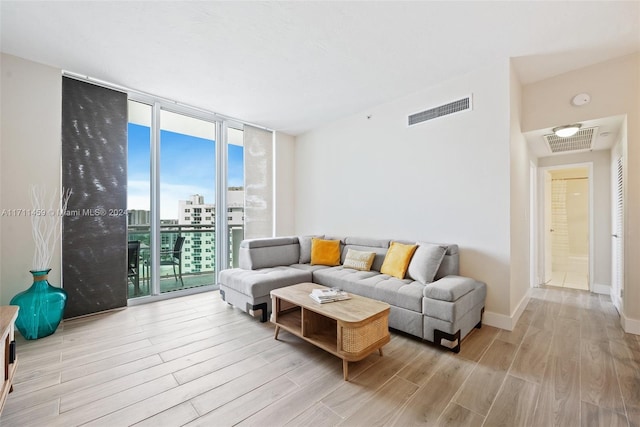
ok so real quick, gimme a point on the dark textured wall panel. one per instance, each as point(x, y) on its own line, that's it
point(94, 159)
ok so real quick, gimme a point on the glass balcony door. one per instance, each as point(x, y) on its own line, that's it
point(171, 190)
point(187, 194)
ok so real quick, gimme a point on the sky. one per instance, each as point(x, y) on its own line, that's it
point(187, 167)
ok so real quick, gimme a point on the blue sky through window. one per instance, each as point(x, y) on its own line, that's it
point(187, 167)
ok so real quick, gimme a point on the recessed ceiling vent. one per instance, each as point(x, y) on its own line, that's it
point(463, 104)
point(583, 140)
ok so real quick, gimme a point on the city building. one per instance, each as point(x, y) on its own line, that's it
point(138, 217)
point(197, 224)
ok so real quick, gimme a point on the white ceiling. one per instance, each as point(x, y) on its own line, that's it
point(293, 66)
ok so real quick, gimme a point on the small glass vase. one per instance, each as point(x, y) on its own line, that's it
point(41, 307)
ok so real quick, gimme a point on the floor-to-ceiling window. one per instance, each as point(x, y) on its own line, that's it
point(173, 180)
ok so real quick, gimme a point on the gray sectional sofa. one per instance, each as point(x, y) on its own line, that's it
point(443, 311)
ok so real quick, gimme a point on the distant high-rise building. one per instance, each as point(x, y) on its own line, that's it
point(198, 251)
point(199, 245)
point(138, 217)
point(235, 206)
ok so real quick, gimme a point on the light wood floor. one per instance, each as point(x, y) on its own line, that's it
point(196, 361)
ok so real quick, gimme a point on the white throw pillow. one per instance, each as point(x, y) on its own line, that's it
point(359, 260)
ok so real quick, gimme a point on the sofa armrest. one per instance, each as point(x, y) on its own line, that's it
point(449, 288)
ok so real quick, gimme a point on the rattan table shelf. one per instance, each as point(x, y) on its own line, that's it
point(350, 329)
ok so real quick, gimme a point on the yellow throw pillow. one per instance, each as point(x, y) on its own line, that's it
point(359, 260)
point(325, 252)
point(397, 259)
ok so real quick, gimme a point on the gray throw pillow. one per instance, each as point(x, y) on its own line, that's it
point(425, 262)
point(305, 248)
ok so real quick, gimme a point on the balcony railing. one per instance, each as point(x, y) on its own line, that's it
point(192, 266)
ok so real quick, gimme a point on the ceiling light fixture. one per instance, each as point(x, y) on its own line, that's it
point(567, 130)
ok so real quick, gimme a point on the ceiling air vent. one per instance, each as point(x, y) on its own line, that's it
point(583, 140)
point(463, 104)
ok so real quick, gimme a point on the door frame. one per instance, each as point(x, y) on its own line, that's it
point(540, 211)
point(617, 256)
point(534, 278)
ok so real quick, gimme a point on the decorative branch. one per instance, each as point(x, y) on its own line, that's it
point(46, 223)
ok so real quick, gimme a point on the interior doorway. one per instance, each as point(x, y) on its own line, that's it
point(567, 207)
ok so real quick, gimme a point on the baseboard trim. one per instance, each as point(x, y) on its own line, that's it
point(503, 321)
point(497, 320)
point(630, 326)
point(599, 288)
point(615, 299)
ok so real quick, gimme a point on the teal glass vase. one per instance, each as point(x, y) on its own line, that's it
point(41, 307)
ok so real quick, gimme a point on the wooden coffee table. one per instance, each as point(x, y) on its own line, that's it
point(350, 329)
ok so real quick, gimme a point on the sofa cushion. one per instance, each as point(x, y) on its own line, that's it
point(260, 282)
point(450, 311)
point(397, 259)
point(400, 293)
point(305, 248)
point(325, 252)
point(425, 262)
point(308, 267)
point(371, 284)
point(450, 263)
point(359, 260)
point(342, 278)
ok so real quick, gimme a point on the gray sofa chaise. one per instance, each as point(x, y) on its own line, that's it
point(443, 311)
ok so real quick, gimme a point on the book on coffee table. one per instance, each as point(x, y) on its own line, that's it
point(323, 296)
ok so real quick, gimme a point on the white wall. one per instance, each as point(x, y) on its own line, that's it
point(284, 184)
point(601, 161)
point(614, 87)
point(445, 180)
point(520, 207)
point(30, 132)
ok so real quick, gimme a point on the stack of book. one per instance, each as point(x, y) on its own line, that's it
point(328, 295)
